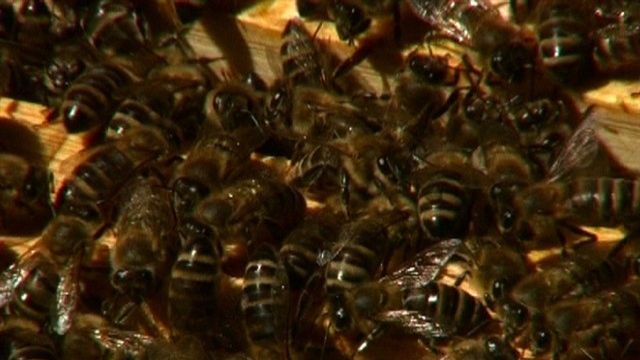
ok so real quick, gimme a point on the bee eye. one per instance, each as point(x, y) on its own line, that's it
point(341, 319)
point(507, 219)
point(541, 340)
point(498, 289)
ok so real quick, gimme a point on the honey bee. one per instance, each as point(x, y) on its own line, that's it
point(104, 170)
point(303, 247)
point(67, 63)
point(587, 323)
point(300, 65)
point(267, 208)
point(194, 281)
point(563, 29)
point(88, 101)
point(571, 277)
point(614, 44)
point(145, 237)
point(316, 170)
point(26, 207)
point(116, 27)
point(265, 304)
point(484, 348)
point(411, 299)
point(509, 50)
point(22, 338)
point(445, 198)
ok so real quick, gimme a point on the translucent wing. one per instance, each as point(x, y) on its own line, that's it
point(129, 342)
point(13, 276)
point(446, 16)
point(580, 149)
point(414, 322)
point(66, 297)
point(426, 266)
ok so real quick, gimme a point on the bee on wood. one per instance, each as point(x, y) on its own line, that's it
point(483, 348)
point(145, 237)
point(300, 65)
point(265, 208)
point(265, 304)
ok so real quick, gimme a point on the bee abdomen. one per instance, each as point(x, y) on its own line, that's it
point(604, 201)
point(265, 302)
point(88, 101)
point(35, 297)
point(193, 287)
point(443, 206)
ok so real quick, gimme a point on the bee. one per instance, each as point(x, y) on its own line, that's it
point(67, 63)
point(319, 115)
point(615, 45)
point(585, 322)
point(316, 170)
point(29, 289)
point(22, 339)
point(194, 281)
point(411, 299)
point(302, 249)
point(231, 106)
point(145, 237)
point(569, 278)
point(104, 170)
point(494, 269)
point(264, 207)
point(508, 170)
point(445, 198)
point(89, 100)
point(361, 250)
point(26, 207)
point(91, 336)
point(116, 27)
point(509, 50)
point(212, 161)
point(265, 303)
point(300, 65)
point(484, 348)
point(563, 29)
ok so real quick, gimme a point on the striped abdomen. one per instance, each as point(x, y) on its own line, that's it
point(193, 287)
point(88, 101)
point(265, 303)
point(452, 308)
point(301, 248)
point(603, 201)
point(563, 40)
point(444, 205)
point(299, 56)
point(35, 296)
point(93, 181)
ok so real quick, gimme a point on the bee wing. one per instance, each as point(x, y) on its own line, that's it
point(441, 14)
point(66, 297)
point(129, 342)
point(427, 265)
point(13, 276)
point(414, 322)
point(580, 149)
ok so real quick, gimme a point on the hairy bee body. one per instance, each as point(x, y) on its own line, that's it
point(145, 237)
point(22, 339)
point(265, 303)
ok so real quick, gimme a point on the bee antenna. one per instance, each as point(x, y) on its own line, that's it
point(315, 33)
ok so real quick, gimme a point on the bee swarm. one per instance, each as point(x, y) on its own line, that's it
point(150, 331)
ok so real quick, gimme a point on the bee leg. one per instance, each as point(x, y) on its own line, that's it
point(345, 195)
point(373, 335)
point(366, 48)
point(460, 278)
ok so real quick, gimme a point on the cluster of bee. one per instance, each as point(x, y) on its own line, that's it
point(312, 218)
